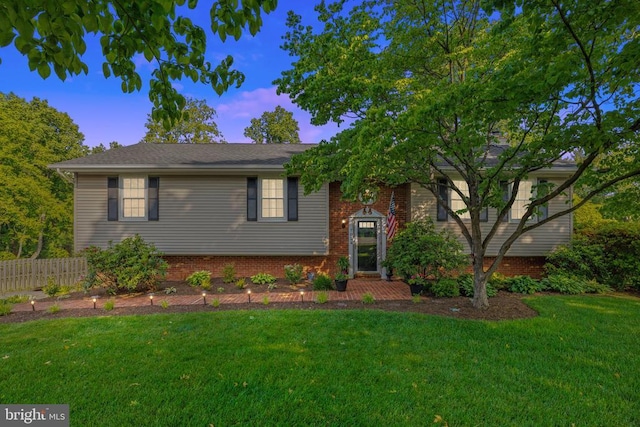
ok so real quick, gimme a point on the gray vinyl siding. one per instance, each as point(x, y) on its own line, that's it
point(538, 242)
point(203, 215)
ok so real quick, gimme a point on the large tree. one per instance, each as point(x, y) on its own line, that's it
point(434, 87)
point(36, 203)
point(52, 35)
point(196, 126)
point(275, 127)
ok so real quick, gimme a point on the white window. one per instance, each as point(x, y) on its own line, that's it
point(272, 198)
point(133, 198)
point(522, 201)
point(457, 204)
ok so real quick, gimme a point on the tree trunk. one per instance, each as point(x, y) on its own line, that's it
point(36, 254)
point(480, 299)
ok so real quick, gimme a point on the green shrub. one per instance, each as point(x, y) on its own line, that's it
point(6, 255)
point(53, 309)
point(216, 303)
point(16, 299)
point(265, 300)
point(322, 297)
point(419, 249)
point(229, 273)
point(200, 278)
point(446, 287)
point(368, 298)
point(524, 285)
point(164, 304)
point(262, 279)
point(52, 288)
point(128, 265)
point(608, 254)
point(293, 273)
point(240, 284)
point(5, 307)
point(573, 285)
point(322, 282)
point(109, 305)
point(498, 281)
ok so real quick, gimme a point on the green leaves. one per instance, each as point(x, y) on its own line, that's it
point(52, 34)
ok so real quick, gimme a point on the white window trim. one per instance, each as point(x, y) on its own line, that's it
point(121, 215)
point(284, 216)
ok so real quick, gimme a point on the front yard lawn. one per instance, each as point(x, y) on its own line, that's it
point(577, 363)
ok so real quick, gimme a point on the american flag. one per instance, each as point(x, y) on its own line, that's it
point(392, 224)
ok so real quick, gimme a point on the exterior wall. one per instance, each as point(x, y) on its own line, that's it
point(341, 210)
point(536, 243)
point(202, 215)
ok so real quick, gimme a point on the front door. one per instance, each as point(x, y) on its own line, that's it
point(367, 245)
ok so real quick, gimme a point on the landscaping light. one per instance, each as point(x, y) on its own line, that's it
point(204, 298)
point(33, 305)
point(94, 302)
point(249, 294)
point(302, 296)
point(151, 298)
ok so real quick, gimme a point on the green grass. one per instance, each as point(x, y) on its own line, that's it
point(577, 363)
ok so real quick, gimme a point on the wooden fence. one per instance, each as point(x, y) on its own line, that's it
point(30, 274)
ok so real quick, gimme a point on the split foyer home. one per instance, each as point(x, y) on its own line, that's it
point(208, 205)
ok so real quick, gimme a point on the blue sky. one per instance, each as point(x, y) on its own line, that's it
point(104, 113)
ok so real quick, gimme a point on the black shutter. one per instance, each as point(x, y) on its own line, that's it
point(112, 198)
point(252, 199)
point(292, 198)
point(153, 212)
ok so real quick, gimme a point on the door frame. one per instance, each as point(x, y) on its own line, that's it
point(367, 214)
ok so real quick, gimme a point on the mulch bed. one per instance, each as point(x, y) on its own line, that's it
point(504, 306)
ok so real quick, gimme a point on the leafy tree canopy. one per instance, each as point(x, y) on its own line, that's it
point(276, 127)
point(36, 203)
point(52, 35)
point(196, 126)
point(436, 87)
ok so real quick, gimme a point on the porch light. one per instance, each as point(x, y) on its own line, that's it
point(33, 305)
point(344, 223)
point(204, 298)
point(249, 294)
point(151, 298)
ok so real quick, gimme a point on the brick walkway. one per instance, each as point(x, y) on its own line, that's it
point(380, 289)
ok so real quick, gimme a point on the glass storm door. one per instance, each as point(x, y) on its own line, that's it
point(367, 245)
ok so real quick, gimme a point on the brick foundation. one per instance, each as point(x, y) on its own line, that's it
point(182, 266)
point(519, 266)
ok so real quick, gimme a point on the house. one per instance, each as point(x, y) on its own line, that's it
point(208, 205)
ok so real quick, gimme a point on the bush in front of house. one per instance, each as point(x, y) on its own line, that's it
point(608, 254)
point(322, 282)
point(524, 285)
point(129, 265)
point(293, 273)
point(419, 249)
point(567, 283)
point(446, 287)
point(200, 278)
